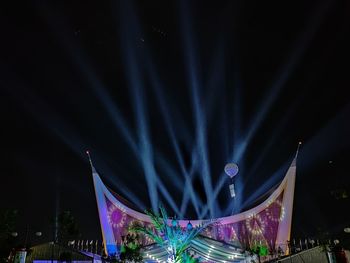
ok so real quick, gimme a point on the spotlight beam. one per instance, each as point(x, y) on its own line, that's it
point(201, 135)
point(45, 115)
point(81, 62)
point(125, 191)
point(56, 124)
point(188, 190)
point(167, 196)
point(117, 118)
point(198, 109)
point(276, 132)
point(166, 168)
point(223, 177)
point(296, 55)
point(203, 157)
point(272, 181)
point(140, 111)
point(281, 80)
point(190, 193)
point(129, 30)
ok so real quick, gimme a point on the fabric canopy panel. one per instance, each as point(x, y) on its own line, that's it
point(267, 224)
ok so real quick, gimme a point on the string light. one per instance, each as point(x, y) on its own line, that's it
point(255, 224)
point(234, 234)
point(282, 212)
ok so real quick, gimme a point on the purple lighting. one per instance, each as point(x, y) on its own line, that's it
point(268, 223)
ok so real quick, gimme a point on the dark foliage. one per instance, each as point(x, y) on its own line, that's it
point(67, 227)
point(8, 219)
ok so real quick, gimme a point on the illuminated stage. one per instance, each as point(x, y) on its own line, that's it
point(268, 224)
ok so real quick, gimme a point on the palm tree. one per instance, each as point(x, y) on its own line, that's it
point(172, 237)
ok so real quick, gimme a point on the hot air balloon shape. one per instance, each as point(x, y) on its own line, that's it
point(231, 169)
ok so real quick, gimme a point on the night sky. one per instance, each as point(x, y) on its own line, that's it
point(240, 81)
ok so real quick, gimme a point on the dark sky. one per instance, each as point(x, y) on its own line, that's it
point(109, 75)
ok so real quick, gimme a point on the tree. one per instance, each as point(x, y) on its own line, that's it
point(131, 250)
point(67, 227)
point(258, 250)
point(174, 239)
point(8, 219)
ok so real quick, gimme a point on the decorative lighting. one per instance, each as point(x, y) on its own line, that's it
point(231, 169)
point(189, 226)
point(234, 234)
point(255, 224)
point(281, 214)
point(116, 216)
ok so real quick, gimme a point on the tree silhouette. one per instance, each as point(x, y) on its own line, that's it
point(8, 219)
point(67, 227)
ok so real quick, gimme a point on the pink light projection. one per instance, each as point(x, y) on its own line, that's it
point(268, 223)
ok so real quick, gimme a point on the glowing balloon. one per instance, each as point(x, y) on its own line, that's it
point(231, 169)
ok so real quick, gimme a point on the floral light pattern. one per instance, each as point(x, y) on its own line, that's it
point(255, 224)
point(116, 216)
